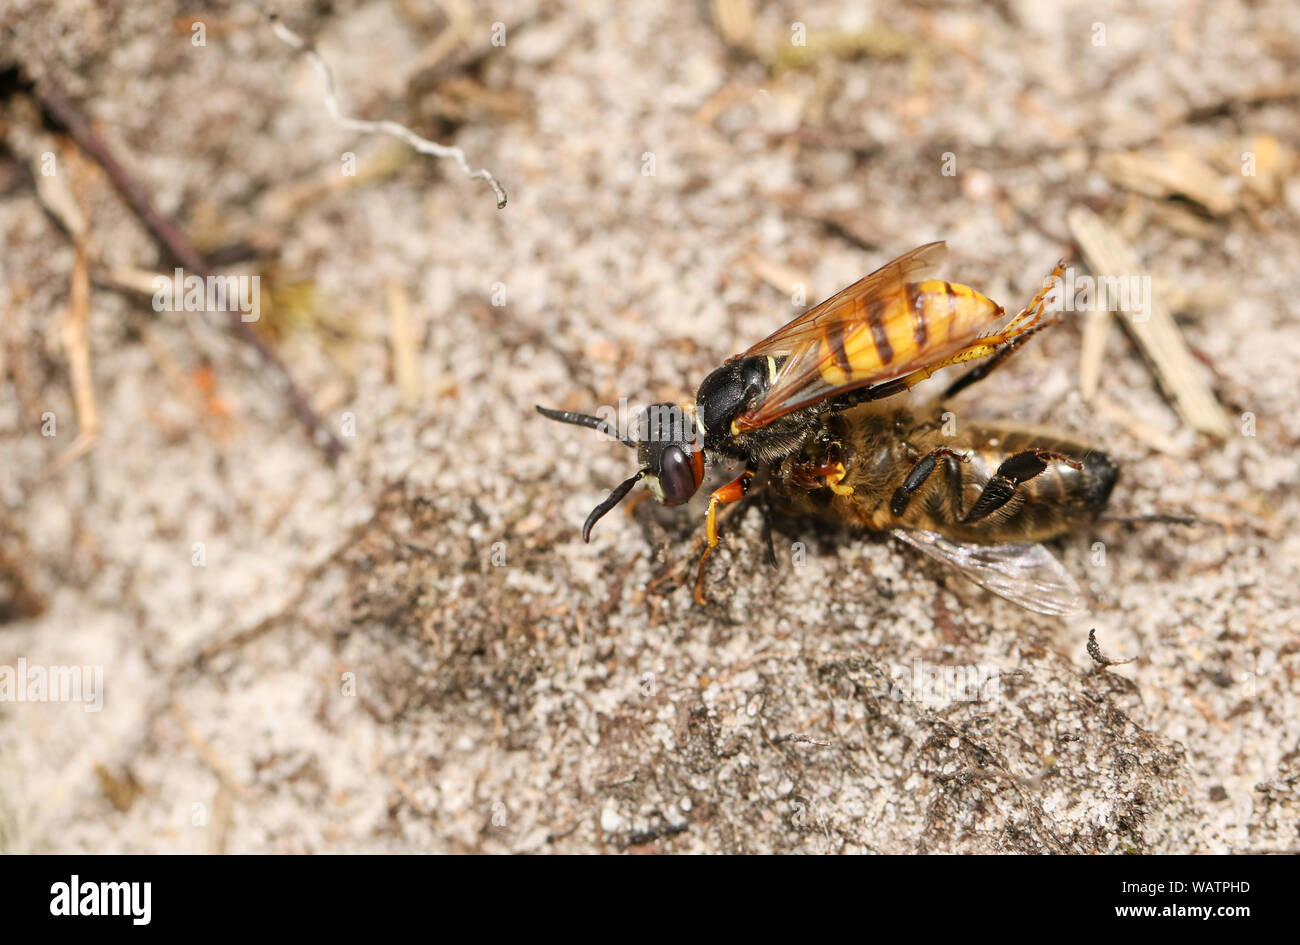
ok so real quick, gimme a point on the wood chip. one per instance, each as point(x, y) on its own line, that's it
point(876, 42)
point(1170, 173)
point(213, 761)
point(1156, 334)
point(1096, 329)
point(76, 342)
point(405, 370)
point(783, 278)
point(734, 21)
point(1148, 433)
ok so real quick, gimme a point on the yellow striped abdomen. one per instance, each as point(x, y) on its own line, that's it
point(902, 330)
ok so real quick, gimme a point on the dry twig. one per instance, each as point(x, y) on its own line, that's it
point(1103, 661)
point(61, 108)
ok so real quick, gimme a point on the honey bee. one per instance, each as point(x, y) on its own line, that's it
point(814, 414)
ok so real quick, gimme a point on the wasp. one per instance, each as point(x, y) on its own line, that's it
point(815, 417)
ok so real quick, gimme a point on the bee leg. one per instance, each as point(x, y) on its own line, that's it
point(921, 472)
point(733, 491)
point(1014, 470)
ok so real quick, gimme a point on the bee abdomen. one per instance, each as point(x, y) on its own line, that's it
point(1099, 475)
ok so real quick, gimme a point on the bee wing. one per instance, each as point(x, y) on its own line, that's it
point(1025, 574)
point(804, 342)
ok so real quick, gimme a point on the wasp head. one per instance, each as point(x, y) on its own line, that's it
point(670, 454)
point(670, 450)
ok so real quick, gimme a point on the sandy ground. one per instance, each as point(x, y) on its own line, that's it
point(413, 650)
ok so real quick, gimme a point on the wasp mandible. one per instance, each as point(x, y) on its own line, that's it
point(813, 414)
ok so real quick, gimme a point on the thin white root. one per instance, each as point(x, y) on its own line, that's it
point(391, 128)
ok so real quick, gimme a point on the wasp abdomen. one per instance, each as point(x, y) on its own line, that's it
point(899, 326)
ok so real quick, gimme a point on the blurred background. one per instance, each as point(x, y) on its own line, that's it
point(328, 562)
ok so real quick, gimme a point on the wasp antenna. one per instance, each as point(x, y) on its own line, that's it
point(614, 498)
point(583, 420)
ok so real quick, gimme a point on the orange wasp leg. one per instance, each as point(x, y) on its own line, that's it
point(1034, 310)
point(733, 491)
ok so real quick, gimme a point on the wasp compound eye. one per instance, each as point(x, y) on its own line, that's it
point(680, 475)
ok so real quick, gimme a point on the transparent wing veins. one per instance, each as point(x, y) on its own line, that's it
point(1026, 574)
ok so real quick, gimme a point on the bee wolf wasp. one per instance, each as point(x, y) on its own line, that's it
point(813, 414)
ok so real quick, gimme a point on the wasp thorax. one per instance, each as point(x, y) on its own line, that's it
point(730, 390)
point(670, 451)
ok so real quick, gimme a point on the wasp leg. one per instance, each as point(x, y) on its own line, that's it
point(1021, 328)
point(989, 344)
point(982, 371)
point(867, 394)
point(733, 491)
point(1014, 470)
point(921, 472)
point(1034, 310)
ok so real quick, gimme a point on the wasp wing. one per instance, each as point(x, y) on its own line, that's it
point(808, 373)
point(1025, 574)
point(846, 305)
